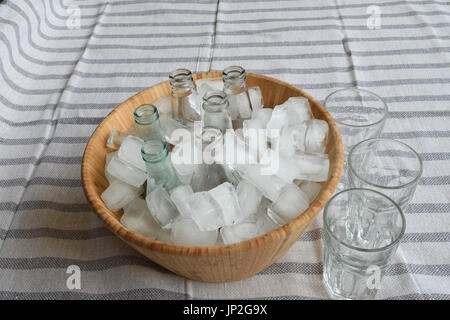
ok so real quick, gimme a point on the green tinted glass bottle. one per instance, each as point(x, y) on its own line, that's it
point(160, 171)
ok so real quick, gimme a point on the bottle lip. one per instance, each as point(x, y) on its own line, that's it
point(146, 114)
point(180, 78)
point(154, 150)
point(215, 101)
point(233, 73)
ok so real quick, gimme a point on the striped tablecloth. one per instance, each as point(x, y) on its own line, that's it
point(59, 79)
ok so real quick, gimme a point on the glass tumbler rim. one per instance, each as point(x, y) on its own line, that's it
point(385, 107)
point(393, 243)
point(353, 171)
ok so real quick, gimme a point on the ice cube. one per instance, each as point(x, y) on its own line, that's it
point(299, 109)
point(289, 205)
point(207, 176)
point(239, 232)
point(119, 194)
point(116, 137)
point(316, 136)
point(226, 197)
point(161, 207)
point(311, 189)
point(185, 232)
point(279, 119)
point(138, 218)
point(311, 167)
point(263, 115)
point(255, 135)
point(205, 211)
point(264, 223)
point(126, 173)
point(165, 235)
point(108, 159)
point(239, 106)
point(292, 139)
point(164, 105)
point(130, 152)
point(216, 84)
point(270, 185)
point(179, 196)
point(256, 98)
point(183, 162)
point(249, 198)
point(238, 154)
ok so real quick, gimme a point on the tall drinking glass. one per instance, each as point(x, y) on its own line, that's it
point(359, 242)
point(388, 166)
point(360, 115)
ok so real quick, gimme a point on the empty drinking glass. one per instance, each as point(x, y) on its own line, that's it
point(359, 241)
point(388, 166)
point(360, 115)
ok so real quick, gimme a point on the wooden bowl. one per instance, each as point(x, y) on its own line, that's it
point(219, 263)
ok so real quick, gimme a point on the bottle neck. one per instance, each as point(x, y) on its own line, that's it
point(181, 82)
point(234, 80)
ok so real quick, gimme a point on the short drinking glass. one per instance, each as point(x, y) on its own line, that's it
point(388, 166)
point(359, 242)
point(360, 115)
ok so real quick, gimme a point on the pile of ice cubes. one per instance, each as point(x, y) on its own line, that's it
point(278, 181)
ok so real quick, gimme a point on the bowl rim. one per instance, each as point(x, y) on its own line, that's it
point(162, 247)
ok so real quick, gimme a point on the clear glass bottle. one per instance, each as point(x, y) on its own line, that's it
point(184, 96)
point(146, 118)
point(235, 86)
point(216, 111)
point(160, 171)
point(209, 174)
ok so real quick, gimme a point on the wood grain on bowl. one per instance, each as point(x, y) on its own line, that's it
point(218, 263)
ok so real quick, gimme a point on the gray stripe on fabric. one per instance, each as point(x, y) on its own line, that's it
point(69, 121)
point(428, 208)
point(37, 161)
point(416, 134)
point(29, 205)
point(42, 140)
point(416, 237)
point(45, 181)
point(55, 233)
point(133, 294)
point(85, 265)
point(392, 270)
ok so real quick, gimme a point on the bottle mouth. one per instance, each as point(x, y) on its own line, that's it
point(146, 114)
point(234, 73)
point(181, 78)
point(154, 150)
point(215, 101)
